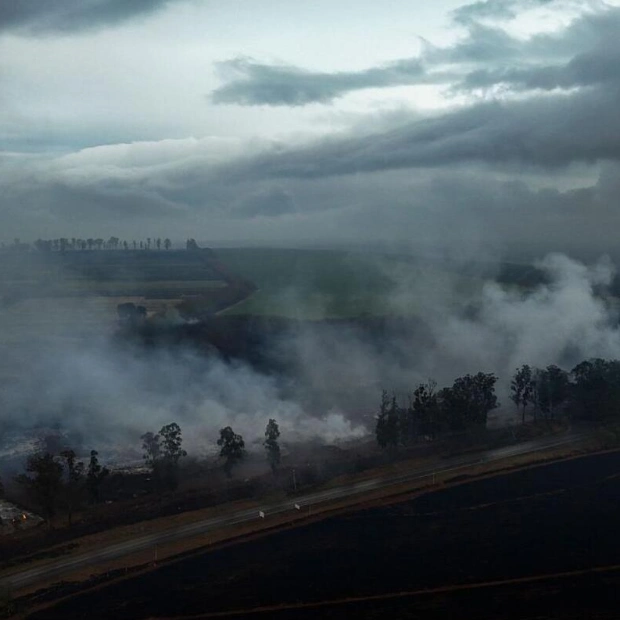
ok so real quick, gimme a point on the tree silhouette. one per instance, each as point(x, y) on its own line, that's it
point(426, 409)
point(151, 448)
point(522, 389)
point(272, 432)
point(232, 448)
point(387, 428)
point(171, 452)
point(552, 389)
point(95, 475)
point(45, 482)
point(74, 482)
point(468, 402)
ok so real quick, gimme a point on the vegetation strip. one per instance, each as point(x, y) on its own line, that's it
point(138, 544)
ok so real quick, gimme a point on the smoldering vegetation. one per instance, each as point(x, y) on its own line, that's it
point(321, 380)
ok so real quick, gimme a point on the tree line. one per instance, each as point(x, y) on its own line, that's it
point(590, 391)
point(56, 481)
point(163, 451)
point(66, 244)
point(430, 412)
point(61, 482)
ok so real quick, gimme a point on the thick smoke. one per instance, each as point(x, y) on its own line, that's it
point(465, 324)
point(108, 394)
point(561, 322)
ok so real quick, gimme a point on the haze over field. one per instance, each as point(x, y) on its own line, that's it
point(478, 132)
point(108, 394)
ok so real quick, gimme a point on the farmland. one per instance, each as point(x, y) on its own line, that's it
point(319, 284)
point(109, 273)
point(51, 299)
point(291, 283)
point(92, 283)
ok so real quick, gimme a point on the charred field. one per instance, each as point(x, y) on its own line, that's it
point(536, 543)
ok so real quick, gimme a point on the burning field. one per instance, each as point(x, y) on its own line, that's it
point(526, 544)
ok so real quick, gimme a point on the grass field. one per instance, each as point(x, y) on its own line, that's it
point(300, 284)
point(317, 284)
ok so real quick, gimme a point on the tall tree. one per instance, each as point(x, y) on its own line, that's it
point(468, 402)
point(232, 448)
point(171, 452)
point(596, 389)
point(95, 476)
point(272, 432)
point(44, 484)
point(74, 482)
point(167, 243)
point(552, 389)
point(386, 430)
point(425, 409)
point(522, 389)
point(151, 449)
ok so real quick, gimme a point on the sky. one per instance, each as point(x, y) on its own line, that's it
point(464, 128)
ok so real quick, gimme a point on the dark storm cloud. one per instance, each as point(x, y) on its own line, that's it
point(461, 210)
point(253, 83)
point(583, 70)
point(548, 131)
point(490, 46)
point(493, 9)
point(71, 15)
point(586, 52)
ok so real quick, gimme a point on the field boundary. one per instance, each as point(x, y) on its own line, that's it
point(403, 594)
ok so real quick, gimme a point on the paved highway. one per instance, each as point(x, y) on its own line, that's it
point(57, 568)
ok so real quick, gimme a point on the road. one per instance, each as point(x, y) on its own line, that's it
point(57, 568)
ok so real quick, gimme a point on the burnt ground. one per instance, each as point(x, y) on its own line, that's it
point(549, 519)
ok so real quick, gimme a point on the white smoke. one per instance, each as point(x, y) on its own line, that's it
point(109, 394)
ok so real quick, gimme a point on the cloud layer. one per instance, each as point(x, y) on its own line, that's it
point(487, 57)
point(34, 16)
point(522, 157)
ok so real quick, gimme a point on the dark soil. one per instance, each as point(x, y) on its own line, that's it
point(552, 518)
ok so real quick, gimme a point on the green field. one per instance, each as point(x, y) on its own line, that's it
point(300, 284)
point(317, 284)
